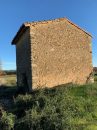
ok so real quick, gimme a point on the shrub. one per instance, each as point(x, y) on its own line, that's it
point(61, 108)
point(21, 104)
point(7, 121)
point(95, 78)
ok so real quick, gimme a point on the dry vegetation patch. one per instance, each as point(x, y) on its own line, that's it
point(8, 80)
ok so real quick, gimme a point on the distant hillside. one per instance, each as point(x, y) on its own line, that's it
point(9, 72)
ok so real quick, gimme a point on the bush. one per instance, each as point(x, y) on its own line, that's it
point(21, 104)
point(95, 78)
point(7, 121)
point(62, 108)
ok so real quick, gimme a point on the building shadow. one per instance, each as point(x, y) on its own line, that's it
point(7, 91)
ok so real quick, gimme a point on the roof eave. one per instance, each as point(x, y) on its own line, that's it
point(19, 33)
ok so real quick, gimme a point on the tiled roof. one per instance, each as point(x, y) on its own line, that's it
point(28, 24)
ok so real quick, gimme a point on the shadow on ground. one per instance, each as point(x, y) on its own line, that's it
point(8, 91)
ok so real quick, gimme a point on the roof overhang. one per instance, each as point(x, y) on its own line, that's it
point(22, 29)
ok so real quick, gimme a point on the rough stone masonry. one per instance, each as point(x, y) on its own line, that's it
point(51, 53)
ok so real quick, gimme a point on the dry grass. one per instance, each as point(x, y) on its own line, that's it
point(8, 80)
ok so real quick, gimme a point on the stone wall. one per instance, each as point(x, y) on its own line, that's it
point(23, 54)
point(61, 53)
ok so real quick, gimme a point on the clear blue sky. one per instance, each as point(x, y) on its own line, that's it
point(15, 12)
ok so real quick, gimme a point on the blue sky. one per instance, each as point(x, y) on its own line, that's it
point(15, 12)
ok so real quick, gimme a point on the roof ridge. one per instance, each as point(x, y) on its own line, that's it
point(28, 24)
point(53, 20)
point(44, 21)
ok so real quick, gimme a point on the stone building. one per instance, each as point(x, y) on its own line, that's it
point(51, 53)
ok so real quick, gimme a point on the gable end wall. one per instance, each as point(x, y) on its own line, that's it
point(60, 53)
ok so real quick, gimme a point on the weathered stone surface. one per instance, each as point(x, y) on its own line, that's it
point(53, 53)
point(23, 54)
